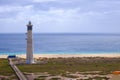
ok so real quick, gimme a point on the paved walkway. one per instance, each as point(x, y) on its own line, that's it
point(17, 71)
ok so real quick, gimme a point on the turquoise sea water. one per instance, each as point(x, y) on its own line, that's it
point(61, 43)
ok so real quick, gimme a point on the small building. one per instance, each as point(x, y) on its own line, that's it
point(11, 56)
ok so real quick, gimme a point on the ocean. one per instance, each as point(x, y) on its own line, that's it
point(61, 43)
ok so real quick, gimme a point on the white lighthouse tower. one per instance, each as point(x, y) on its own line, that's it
point(29, 55)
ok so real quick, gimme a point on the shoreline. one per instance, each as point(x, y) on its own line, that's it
point(66, 55)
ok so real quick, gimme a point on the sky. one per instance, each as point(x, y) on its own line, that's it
point(60, 16)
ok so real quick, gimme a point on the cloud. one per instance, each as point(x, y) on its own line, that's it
point(61, 15)
point(43, 1)
point(13, 17)
point(7, 9)
point(15, 2)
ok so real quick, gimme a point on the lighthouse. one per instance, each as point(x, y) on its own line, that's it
point(29, 52)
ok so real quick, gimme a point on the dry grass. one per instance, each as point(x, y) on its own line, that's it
point(62, 65)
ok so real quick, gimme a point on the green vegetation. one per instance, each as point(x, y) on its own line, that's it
point(42, 77)
point(5, 69)
point(71, 76)
point(55, 79)
point(100, 78)
point(63, 65)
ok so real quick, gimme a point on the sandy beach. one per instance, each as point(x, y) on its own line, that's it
point(67, 55)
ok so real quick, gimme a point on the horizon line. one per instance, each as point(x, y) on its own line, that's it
point(68, 33)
